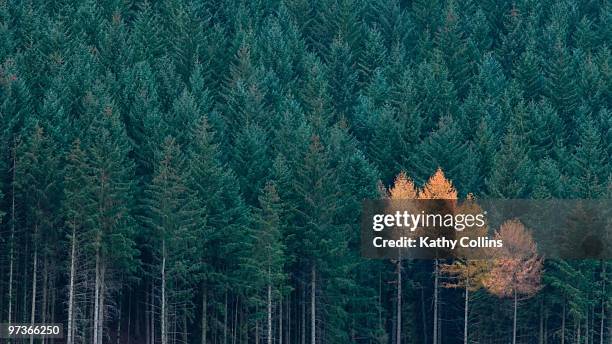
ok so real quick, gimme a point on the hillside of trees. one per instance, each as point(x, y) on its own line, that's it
point(183, 171)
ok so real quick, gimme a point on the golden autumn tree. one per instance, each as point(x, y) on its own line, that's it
point(438, 188)
point(518, 268)
point(403, 189)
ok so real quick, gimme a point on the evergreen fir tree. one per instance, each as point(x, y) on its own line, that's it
point(512, 169)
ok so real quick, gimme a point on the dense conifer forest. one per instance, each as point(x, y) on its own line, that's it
point(183, 171)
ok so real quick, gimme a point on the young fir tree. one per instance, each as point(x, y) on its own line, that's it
point(588, 162)
point(170, 213)
point(37, 188)
point(251, 161)
point(109, 242)
point(222, 221)
point(343, 77)
point(447, 149)
point(77, 205)
point(267, 259)
point(512, 169)
point(324, 241)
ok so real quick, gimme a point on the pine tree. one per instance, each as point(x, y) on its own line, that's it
point(37, 188)
point(562, 86)
point(267, 259)
point(446, 148)
point(588, 162)
point(170, 218)
point(343, 77)
point(110, 233)
point(251, 161)
point(528, 72)
point(76, 206)
point(512, 169)
point(222, 220)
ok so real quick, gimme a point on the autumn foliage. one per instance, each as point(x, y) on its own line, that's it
point(518, 270)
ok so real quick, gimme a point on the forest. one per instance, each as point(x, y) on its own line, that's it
point(184, 171)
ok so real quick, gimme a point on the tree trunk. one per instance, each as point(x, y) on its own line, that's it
point(313, 308)
point(12, 243)
point(96, 298)
point(164, 310)
point(152, 317)
point(303, 317)
point(398, 323)
point(280, 321)
point(225, 320)
point(435, 311)
point(603, 302)
point(70, 332)
point(541, 332)
point(204, 315)
point(563, 324)
point(465, 313)
point(101, 304)
point(269, 341)
point(33, 308)
point(514, 319)
point(423, 317)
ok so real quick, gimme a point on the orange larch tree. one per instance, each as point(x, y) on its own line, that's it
point(403, 189)
point(518, 268)
point(438, 187)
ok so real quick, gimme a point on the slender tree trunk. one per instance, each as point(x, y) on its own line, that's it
point(465, 312)
point(12, 245)
point(398, 323)
point(586, 327)
point(164, 310)
point(70, 332)
point(129, 319)
point(152, 317)
point(118, 337)
point(148, 318)
point(514, 318)
point(185, 334)
point(269, 341)
point(225, 320)
point(96, 298)
point(424, 317)
point(204, 314)
point(303, 317)
point(313, 308)
point(563, 323)
point(45, 291)
point(33, 308)
point(541, 332)
point(101, 305)
point(435, 311)
point(603, 303)
point(288, 327)
point(280, 321)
